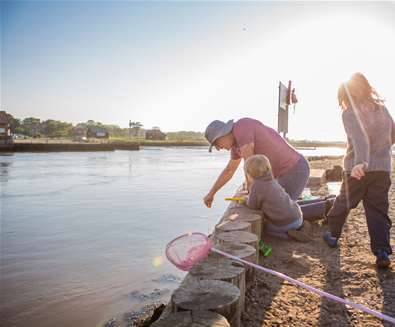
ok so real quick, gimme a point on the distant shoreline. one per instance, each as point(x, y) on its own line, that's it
point(119, 143)
point(67, 145)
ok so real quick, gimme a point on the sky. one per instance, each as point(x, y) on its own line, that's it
point(180, 65)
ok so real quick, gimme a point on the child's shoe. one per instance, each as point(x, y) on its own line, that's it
point(330, 240)
point(382, 259)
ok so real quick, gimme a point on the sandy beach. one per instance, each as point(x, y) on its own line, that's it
point(348, 272)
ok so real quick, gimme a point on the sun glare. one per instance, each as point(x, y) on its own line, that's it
point(157, 261)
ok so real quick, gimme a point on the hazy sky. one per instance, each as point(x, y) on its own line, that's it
point(179, 65)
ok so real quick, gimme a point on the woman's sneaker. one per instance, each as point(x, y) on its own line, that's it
point(382, 259)
point(330, 240)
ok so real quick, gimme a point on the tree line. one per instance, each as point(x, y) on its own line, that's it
point(35, 127)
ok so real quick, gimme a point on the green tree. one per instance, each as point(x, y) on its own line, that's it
point(54, 128)
point(136, 124)
point(15, 123)
point(31, 126)
point(135, 127)
point(185, 136)
point(115, 130)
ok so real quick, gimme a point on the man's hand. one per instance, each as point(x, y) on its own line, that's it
point(208, 200)
point(223, 178)
point(358, 171)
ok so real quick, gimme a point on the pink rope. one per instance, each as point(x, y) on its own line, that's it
point(310, 288)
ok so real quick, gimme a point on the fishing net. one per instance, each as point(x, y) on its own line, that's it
point(188, 250)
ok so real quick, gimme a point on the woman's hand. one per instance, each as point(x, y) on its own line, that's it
point(208, 200)
point(358, 171)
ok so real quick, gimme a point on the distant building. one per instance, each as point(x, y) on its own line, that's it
point(97, 132)
point(5, 129)
point(137, 132)
point(155, 134)
point(79, 131)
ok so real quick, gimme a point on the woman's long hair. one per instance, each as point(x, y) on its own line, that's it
point(357, 92)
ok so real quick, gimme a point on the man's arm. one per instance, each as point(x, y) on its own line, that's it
point(222, 179)
point(247, 151)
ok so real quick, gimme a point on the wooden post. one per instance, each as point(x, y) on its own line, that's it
point(212, 295)
point(317, 178)
point(239, 237)
point(242, 251)
point(244, 210)
point(192, 318)
point(250, 216)
point(231, 226)
point(224, 269)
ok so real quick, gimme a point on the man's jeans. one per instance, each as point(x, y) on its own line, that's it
point(295, 179)
point(281, 231)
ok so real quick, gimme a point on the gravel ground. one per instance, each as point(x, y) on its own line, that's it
point(348, 271)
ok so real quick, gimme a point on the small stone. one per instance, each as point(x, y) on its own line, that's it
point(111, 323)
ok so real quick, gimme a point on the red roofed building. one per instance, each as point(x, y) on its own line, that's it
point(5, 129)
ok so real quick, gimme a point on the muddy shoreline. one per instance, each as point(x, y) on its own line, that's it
point(348, 271)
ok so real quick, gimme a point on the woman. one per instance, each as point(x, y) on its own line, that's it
point(367, 164)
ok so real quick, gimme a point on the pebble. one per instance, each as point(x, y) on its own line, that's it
point(156, 294)
point(168, 278)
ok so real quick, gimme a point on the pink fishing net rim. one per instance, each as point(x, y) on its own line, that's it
point(205, 250)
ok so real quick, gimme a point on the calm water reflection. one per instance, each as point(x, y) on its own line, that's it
point(83, 234)
point(82, 231)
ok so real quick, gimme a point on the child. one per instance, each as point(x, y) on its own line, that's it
point(370, 134)
point(267, 194)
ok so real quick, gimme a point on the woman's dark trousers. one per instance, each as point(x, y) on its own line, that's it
point(372, 190)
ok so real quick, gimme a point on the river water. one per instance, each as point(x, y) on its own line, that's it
point(83, 234)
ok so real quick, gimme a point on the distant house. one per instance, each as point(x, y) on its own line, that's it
point(97, 132)
point(80, 131)
point(5, 129)
point(155, 134)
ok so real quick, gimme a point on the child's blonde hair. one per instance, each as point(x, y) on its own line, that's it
point(257, 166)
